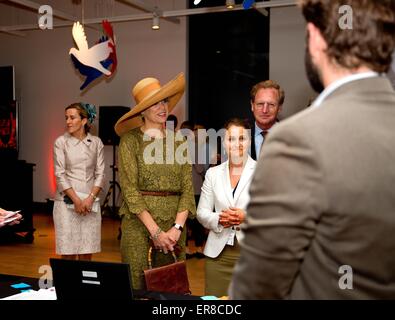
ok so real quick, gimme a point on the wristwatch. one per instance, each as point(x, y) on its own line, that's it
point(178, 226)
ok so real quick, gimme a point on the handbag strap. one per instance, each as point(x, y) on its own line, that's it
point(150, 256)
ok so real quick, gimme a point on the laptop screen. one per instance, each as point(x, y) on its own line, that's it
point(79, 279)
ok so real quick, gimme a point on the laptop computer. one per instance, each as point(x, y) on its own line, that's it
point(79, 279)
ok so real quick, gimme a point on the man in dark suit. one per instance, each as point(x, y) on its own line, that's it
point(267, 98)
point(321, 220)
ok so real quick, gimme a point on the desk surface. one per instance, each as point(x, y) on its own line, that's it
point(6, 281)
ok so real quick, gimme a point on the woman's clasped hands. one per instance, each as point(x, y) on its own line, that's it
point(231, 217)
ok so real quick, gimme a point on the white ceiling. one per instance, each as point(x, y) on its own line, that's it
point(17, 16)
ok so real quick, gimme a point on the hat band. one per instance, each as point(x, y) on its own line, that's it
point(144, 92)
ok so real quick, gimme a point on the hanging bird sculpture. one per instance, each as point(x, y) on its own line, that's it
point(95, 61)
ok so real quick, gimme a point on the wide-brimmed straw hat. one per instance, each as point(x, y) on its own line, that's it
point(146, 93)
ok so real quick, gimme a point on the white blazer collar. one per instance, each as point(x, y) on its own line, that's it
point(245, 177)
point(226, 183)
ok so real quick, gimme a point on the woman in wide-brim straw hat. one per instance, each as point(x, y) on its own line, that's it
point(158, 197)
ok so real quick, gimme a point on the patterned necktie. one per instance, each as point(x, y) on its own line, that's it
point(263, 134)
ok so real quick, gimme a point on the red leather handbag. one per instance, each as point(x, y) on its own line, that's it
point(170, 278)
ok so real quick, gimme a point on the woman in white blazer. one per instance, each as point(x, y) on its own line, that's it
point(222, 207)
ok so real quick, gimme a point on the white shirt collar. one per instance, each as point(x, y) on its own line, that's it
point(87, 140)
point(338, 83)
point(259, 130)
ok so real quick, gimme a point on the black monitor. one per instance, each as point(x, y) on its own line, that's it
point(82, 280)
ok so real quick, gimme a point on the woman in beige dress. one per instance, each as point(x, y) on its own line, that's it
point(79, 171)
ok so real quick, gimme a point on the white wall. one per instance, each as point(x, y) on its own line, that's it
point(287, 47)
point(46, 82)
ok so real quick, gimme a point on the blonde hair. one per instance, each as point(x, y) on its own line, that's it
point(268, 84)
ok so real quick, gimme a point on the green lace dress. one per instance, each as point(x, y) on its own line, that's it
point(150, 165)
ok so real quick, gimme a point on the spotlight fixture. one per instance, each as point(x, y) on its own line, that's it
point(230, 4)
point(155, 22)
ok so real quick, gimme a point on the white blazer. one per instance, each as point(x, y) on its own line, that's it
point(216, 196)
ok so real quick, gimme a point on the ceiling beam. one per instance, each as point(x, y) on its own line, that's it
point(139, 4)
point(14, 33)
point(36, 6)
point(275, 4)
point(257, 5)
point(262, 11)
point(144, 16)
point(147, 16)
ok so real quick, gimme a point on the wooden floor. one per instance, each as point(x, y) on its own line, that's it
point(25, 259)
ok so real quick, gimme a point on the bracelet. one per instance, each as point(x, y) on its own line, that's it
point(93, 196)
point(157, 233)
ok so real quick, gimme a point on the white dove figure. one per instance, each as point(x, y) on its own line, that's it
point(90, 56)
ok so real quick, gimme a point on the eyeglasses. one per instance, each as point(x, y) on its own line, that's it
point(261, 105)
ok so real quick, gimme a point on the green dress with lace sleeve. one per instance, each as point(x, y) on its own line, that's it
point(147, 164)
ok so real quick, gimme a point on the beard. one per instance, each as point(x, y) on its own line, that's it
point(312, 72)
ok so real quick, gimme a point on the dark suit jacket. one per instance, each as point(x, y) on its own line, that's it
point(323, 197)
point(253, 151)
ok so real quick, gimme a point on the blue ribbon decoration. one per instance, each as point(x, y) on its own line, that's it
point(91, 110)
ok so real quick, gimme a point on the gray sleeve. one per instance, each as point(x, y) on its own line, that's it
point(287, 198)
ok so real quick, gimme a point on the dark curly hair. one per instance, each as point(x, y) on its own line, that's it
point(370, 42)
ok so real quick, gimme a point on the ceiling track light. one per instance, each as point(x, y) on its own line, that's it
point(155, 21)
point(230, 4)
